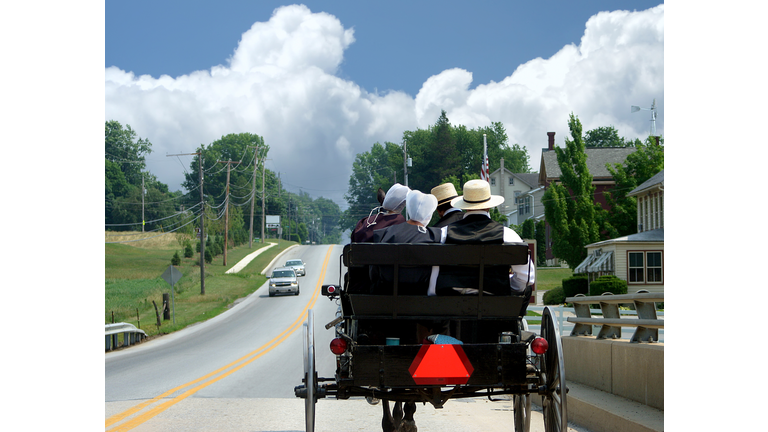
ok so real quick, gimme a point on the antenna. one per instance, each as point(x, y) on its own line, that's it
point(652, 109)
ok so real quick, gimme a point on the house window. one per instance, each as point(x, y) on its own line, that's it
point(654, 266)
point(493, 181)
point(636, 268)
point(511, 181)
point(644, 267)
point(527, 204)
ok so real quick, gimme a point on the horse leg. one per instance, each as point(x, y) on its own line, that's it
point(387, 422)
point(408, 424)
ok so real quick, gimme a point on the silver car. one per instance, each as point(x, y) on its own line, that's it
point(283, 280)
point(297, 265)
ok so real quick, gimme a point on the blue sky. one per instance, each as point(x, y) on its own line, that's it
point(329, 79)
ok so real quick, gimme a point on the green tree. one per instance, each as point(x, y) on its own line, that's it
point(639, 166)
point(607, 137)
point(122, 147)
point(569, 206)
point(529, 229)
point(541, 242)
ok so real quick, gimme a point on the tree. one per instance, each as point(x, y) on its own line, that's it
point(569, 206)
point(639, 166)
point(541, 242)
point(607, 137)
point(123, 148)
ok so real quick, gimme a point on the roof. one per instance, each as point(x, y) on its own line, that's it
point(656, 235)
point(597, 158)
point(532, 180)
point(658, 179)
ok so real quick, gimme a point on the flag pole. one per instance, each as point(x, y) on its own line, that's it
point(484, 174)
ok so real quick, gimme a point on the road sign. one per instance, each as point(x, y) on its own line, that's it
point(441, 365)
point(171, 275)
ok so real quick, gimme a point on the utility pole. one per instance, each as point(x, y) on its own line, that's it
point(226, 210)
point(142, 202)
point(202, 217)
point(253, 195)
point(263, 181)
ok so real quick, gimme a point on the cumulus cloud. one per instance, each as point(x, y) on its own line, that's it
point(281, 83)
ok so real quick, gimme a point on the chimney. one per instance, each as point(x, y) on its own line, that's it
point(551, 136)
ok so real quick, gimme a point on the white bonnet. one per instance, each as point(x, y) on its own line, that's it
point(395, 199)
point(420, 206)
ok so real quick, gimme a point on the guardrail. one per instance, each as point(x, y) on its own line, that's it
point(646, 322)
point(131, 335)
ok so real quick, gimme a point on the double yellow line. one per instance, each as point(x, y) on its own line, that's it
point(221, 373)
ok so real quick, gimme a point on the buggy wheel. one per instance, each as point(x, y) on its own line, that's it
point(522, 406)
point(310, 374)
point(553, 371)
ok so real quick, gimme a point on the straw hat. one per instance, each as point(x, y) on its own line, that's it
point(444, 193)
point(477, 196)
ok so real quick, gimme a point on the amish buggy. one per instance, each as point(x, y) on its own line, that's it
point(476, 344)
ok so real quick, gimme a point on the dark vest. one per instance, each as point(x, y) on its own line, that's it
point(449, 218)
point(474, 229)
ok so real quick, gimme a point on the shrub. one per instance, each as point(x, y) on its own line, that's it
point(607, 283)
point(208, 256)
point(188, 252)
point(577, 284)
point(176, 260)
point(555, 296)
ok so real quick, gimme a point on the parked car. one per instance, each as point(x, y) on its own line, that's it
point(283, 280)
point(297, 265)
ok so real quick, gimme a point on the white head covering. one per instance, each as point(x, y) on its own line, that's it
point(394, 201)
point(420, 206)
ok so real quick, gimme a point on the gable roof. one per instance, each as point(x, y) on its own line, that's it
point(532, 180)
point(597, 158)
point(656, 235)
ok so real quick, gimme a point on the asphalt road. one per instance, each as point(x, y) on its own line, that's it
point(237, 371)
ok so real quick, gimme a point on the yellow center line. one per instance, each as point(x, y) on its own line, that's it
point(243, 361)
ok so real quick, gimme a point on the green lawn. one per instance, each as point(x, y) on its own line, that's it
point(551, 277)
point(133, 280)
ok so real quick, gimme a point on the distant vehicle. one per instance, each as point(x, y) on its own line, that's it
point(283, 280)
point(297, 265)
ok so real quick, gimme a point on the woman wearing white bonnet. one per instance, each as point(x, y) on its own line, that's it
point(413, 280)
point(387, 214)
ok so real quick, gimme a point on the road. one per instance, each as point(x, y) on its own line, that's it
point(237, 371)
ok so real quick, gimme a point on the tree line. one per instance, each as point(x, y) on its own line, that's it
point(303, 219)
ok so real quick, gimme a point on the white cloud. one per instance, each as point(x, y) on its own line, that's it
point(280, 83)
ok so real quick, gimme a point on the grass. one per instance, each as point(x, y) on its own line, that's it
point(133, 280)
point(551, 277)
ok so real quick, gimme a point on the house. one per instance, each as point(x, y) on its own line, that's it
point(597, 159)
point(636, 258)
point(521, 192)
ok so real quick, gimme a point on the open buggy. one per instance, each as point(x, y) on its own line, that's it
point(489, 352)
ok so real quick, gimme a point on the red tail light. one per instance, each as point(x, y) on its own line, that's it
point(338, 346)
point(539, 345)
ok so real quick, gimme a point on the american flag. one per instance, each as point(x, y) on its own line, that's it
point(484, 174)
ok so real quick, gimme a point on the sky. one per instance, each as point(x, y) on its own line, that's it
point(324, 80)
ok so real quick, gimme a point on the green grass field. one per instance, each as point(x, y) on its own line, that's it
point(133, 280)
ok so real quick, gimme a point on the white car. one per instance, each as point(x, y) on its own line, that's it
point(283, 281)
point(297, 265)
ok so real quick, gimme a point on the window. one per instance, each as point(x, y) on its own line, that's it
point(493, 181)
point(511, 181)
point(644, 267)
point(636, 267)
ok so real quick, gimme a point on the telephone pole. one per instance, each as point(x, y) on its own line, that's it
point(226, 210)
point(253, 195)
point(202, 216)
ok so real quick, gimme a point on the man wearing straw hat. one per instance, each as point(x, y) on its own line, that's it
point(478, 227)
point(444, 194)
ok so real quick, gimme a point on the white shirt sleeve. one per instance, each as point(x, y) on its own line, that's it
point(436, 269)
point(522, 275)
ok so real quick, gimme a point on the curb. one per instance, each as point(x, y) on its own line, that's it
point(278, 256)
point(599, 411)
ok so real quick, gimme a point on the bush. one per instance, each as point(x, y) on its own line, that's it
point(188, 252)
point(577, 284)
point(176, 259)
point(607, 283)
point(208, 256)
point(555, 296)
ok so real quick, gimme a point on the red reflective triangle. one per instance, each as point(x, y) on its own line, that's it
point(441, 365)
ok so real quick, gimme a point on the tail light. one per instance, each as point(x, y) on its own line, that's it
point(539, 345)
point(338, 346)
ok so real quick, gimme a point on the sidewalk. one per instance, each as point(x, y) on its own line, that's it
point(245, 261)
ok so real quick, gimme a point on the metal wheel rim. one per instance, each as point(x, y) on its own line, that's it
point(554, 402)
point(522, 408)
point(309, 372)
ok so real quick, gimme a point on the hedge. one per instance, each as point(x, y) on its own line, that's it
point(577, 284)
point(555, 296)
point(607, 283)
